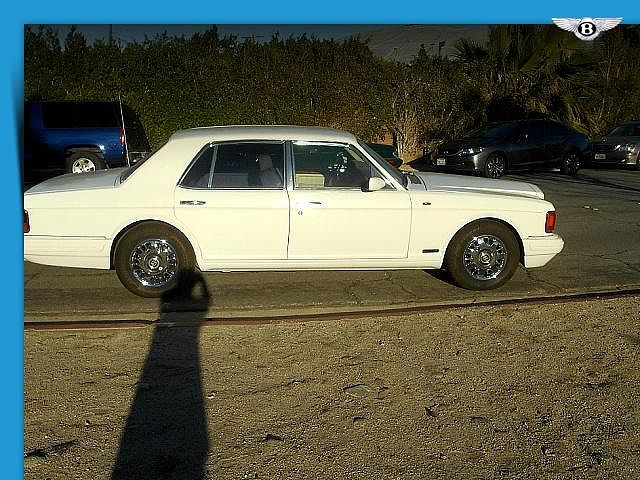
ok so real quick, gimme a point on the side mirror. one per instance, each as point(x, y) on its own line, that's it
point(375, 183)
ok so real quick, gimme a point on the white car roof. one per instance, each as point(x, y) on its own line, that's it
point(265, 132)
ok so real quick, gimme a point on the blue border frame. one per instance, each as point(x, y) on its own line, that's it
point(252, 11)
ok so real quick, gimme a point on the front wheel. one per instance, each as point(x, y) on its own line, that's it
point(482, 256)
point(152, 258)
point(495, 166)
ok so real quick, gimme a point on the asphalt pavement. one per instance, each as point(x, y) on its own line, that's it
point(598, 217)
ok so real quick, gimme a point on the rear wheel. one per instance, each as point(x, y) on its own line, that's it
point(82, 162)
point(570, 163)
point(495, 166)
point(152, 258)
point(483, 255)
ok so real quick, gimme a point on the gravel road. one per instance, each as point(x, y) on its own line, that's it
point(531, 392)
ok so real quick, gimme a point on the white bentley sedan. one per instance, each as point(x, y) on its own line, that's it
point(243, 198)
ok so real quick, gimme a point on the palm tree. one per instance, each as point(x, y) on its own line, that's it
point(526, 69)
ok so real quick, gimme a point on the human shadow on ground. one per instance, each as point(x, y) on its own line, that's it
point(165, 436)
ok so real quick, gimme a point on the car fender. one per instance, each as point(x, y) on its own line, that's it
point(167, 220)
point(502, 221)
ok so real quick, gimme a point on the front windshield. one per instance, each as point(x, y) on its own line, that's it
point(629, 130)
point(390, 169)
point(492, 130)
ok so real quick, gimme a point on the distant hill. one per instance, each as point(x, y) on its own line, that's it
point(402, 42)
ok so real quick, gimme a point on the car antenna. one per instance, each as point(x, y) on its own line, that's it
point(124, 131)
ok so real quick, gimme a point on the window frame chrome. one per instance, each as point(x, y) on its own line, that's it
point(382, 173)
point(215, 145)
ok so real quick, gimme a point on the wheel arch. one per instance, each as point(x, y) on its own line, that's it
point(487, 219)
point(70, 150)
point(126, 229)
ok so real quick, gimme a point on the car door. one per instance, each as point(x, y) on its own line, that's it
point(555, 141)
point(233, 199)
point(528, 148)
point(333, 217)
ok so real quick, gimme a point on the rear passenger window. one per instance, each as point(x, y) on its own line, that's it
point(238, 166)
point(80, 115)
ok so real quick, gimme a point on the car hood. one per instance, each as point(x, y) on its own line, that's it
point(79, 181)
point(459, 183)
point(616, 140)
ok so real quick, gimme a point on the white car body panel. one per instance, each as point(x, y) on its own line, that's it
point(75, 219)
point(227, 222)
point(364, 225)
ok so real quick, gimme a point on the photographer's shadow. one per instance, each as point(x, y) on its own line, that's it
point(165, 435)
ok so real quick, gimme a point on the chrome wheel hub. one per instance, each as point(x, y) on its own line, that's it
point(154, 262)
point(485, 257)
point(82, 165)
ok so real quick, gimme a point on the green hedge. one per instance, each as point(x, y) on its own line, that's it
point(175, 83)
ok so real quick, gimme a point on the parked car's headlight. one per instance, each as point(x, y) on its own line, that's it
point(626, 147)
point(471, 151)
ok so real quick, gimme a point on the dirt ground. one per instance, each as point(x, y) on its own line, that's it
point(531, 392)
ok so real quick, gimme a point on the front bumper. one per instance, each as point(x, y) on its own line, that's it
point(456, 163)
point(614, 158)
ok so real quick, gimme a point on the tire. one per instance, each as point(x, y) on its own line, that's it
point(82, 162)
point(151, 259)
point(495, 166)
point(570, 163)
point(483, 255)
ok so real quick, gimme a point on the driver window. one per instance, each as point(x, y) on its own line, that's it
point(330, 166)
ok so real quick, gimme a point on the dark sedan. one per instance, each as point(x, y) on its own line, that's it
point(620, 147)
point(388, 152)
point(497, 148)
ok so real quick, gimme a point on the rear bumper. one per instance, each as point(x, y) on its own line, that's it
point(538, 251)
point(83, 252)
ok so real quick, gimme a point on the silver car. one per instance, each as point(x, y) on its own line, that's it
point(620, 147)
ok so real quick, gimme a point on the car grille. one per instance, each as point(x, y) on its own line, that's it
point(602, 147)
point(447, 151)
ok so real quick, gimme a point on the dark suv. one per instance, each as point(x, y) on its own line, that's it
point(77, 137)
point(496, 148)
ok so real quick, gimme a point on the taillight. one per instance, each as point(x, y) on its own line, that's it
point(26, 225)
point(123, 137)
point(550, 223)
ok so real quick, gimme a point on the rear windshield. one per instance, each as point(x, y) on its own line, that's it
point(80, 115)
point(129, 171)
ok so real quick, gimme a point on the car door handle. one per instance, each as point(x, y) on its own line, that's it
point(192, 202)
point(307, 203)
